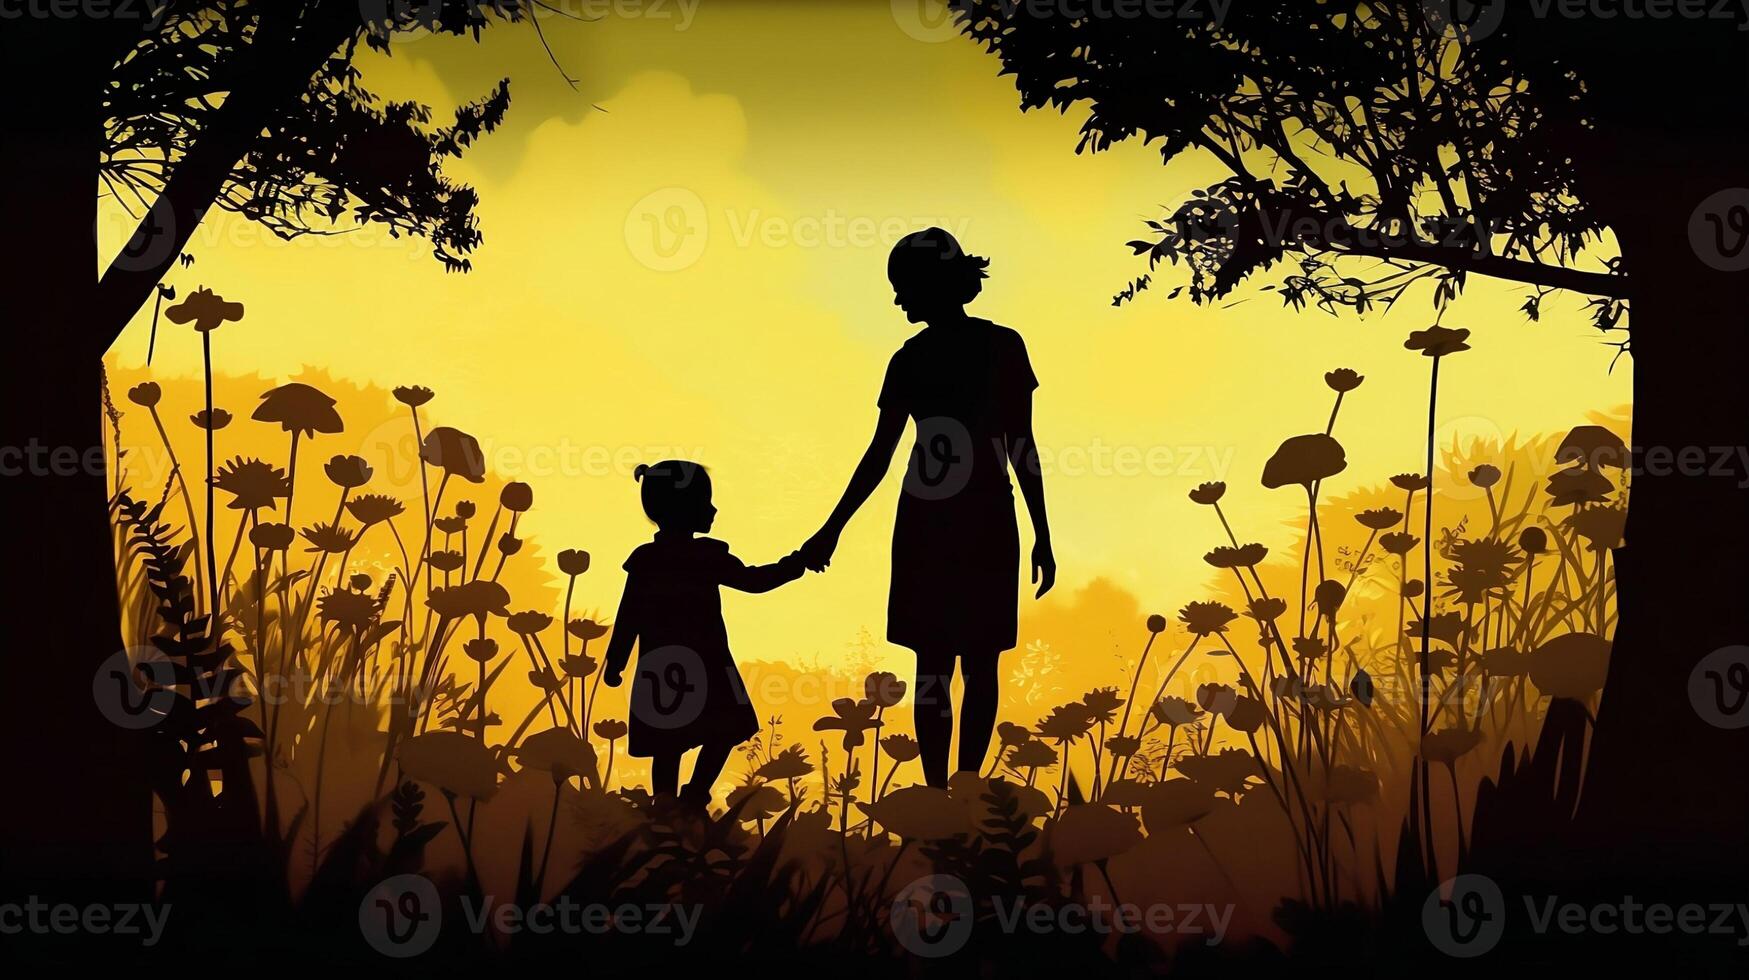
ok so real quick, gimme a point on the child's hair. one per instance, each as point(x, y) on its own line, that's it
point(672, 490)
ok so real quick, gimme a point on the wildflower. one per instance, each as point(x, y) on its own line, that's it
point(1448, 745)
point(754, 801)
point(1208, 493)
point(1413, 588)
point(445, 561)
point(1361, 686)
point(1174, 711)
point(1123, 746)
point(205, 309)
point(851, 717)
point(529, 622)
point(1102, 704)
point(558, 751)
point(1308, 647)
point(1228, 771)
point(450, 525)
point(1379, 518)
point(1482, 568)
point(212, 421)
point(1304, 460)
point(573, 562)
point(455, 452)
point(509, 544)
point(922, 813)
point(1485, 476)
point(373, 508)
point(884, 688)
point(299, 408)
point(791, 763)
point(1579, 485)
point(1267, 610)
point(1601, 526)
point(545, 680)
point(1066, 722)
point(1204, 618)
point(1216, 699)
point(348, 472)
point(610, 729)
point(1244, 556)
point(1156, 623)
point(1247, 714)
point(900, 748)
point(1011, 734)
point(482, 649)
point(1445, 627)
point(1329, 595)
point(478, 598)
point(330, 538)
point(1343, 380)
point(578, 665)
point(464, 509)
point(252, 484)
point(272, 537)
point(413, 396)
point(586, 629)
point(355, 611)
point(359, 582)
point(1438, 341)
point(1032, 755)
point(1398, 542)
point(1533, 540)
point(455, 763)
point(145, 394)
point(1593, 447)
point(1410, 482)
point(516, 497)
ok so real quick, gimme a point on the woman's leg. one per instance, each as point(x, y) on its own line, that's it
point(934, 713)
point(665, 774)
point(977, 708)
point(705, 769)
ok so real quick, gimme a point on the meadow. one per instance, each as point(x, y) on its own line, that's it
point(369, 667)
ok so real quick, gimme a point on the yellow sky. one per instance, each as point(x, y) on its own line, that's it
point(699, 270)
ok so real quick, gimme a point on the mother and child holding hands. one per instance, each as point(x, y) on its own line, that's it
point(967, 384)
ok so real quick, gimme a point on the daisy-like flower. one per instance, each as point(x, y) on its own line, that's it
point(1438, 341)
point(1409, 481)
point(1244, 556)
point(413, 396)
point(1204, 618)
point(331, 538)
point(1208, 493)
point(373, 508)
point(1379, 518)
point(252, 484)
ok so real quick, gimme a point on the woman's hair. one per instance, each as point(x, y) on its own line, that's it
point(672, 490)
point(931, 261)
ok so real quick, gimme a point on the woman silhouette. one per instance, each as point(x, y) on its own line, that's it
point(956, 551)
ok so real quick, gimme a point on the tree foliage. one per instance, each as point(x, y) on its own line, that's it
point(1369, 146)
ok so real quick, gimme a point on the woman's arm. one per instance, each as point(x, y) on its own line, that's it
point(817, 552)
point(1023, 456)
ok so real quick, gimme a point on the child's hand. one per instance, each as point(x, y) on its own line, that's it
point(611, 677)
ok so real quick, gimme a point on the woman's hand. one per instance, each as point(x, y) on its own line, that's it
point(1044, 567)
point(817, 551)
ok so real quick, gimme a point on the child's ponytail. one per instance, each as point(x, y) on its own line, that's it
point(638, 473)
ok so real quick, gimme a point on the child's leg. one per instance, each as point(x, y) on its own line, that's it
point(934, 713)
point(977, 708)
point(705, 769)
point(665, 774)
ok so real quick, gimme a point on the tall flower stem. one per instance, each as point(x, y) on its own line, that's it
point(212, 561)
point(188, 501)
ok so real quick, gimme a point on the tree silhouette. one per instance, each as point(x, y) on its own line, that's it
point(1377, 148)
point(170, 109)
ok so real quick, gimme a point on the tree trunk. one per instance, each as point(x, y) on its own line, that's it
point(1666, 795)
point(77, 822)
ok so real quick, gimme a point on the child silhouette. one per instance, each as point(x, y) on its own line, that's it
point(687, 693)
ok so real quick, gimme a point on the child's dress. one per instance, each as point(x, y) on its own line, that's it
point(685, 691)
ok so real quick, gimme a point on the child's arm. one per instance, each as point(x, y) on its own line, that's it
point(761, 578)
point(625, 633)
